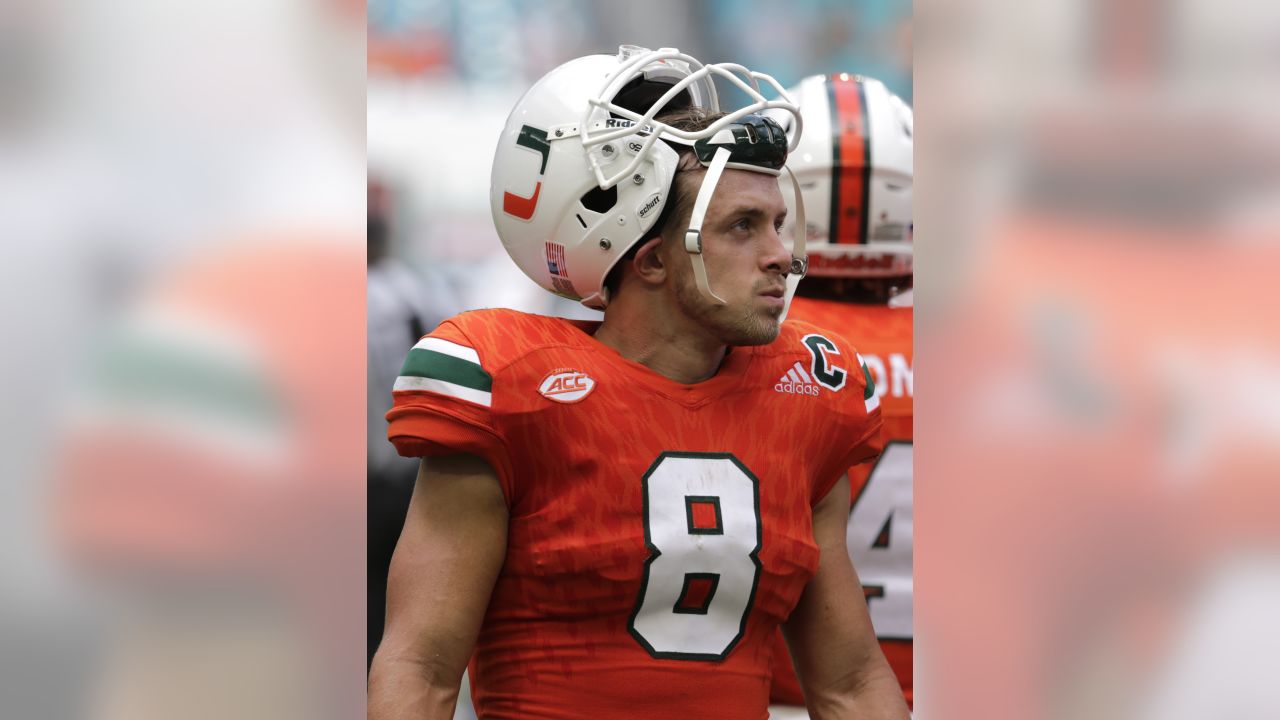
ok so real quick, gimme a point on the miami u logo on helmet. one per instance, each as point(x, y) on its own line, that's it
point(522, 207)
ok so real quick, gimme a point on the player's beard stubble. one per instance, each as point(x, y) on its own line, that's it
point(741, 322)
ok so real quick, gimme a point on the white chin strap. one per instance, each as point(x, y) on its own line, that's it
point(693, 236)
point(799, 259)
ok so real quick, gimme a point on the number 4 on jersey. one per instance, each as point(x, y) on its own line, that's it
point(879, 541)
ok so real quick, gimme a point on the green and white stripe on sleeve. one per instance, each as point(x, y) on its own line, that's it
point(446, 368)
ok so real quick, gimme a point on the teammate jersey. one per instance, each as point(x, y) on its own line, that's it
point(658, 532)
point(880, 522)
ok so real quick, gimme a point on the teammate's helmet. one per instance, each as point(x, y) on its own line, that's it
point(579, 175)
point(854, 165)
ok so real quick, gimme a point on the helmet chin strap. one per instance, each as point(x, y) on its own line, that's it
point(799, 259)
point(693, 236)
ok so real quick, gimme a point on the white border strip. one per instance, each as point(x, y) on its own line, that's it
point(462, 352)
point(410, 382)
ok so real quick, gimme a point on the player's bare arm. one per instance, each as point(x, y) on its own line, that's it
point(442, 573)
point(839, 662)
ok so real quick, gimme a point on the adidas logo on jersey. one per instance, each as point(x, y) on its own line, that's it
point(797, 382)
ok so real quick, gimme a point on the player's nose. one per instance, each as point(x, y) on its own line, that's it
point(775, 255)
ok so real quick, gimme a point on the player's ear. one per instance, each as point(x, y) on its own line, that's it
point(648, 262)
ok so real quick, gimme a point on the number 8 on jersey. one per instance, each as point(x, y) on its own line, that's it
point(702, 528)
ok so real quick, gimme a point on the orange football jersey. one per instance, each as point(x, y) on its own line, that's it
point(880, 522)
point(659, 532)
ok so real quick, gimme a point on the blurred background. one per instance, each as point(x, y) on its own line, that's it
point(1097, 499)
point(185, 379)
point(181, 197)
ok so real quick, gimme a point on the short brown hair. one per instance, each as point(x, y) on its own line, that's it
point(684, 190)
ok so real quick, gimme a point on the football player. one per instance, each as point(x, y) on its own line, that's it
point(854, 168)
point(613, 518)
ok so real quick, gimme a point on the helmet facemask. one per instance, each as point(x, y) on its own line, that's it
point(601, 179)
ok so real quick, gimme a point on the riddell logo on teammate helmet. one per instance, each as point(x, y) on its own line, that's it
point(884, 261)
point(567, 386)
point(797, 382)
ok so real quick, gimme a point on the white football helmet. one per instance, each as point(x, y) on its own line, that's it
point(854, 166)
point(579, 175)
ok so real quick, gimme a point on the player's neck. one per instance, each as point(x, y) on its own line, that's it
point(668, 343)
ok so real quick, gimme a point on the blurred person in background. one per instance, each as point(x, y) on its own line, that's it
point(854, 168)
point(206, 483)
point(402, 306)
point(191, 492)
point(1101, 424)
point(67, 240)
point(588, 519)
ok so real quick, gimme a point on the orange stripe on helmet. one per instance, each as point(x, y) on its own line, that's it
point(850, 161)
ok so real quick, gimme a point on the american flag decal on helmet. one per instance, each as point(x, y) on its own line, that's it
point(555, 260)
point(554, 253)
